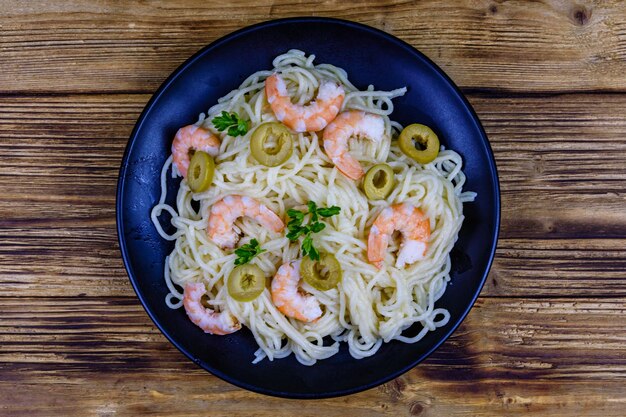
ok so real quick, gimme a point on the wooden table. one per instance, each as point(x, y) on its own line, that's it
point(547, 336)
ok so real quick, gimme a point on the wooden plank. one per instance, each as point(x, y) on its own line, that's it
point(562, 168)
point(102, 356)
point(561, 162)
point(516, 46)
point(61, 157)
point(558, 267)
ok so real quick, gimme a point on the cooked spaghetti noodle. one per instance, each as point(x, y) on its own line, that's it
point(369, 306)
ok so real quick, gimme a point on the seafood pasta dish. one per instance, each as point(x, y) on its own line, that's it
point(310, 217)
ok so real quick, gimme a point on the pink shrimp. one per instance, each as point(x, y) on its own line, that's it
point(346, 125)
point(194, 138)
point(288, 299)
point(230, 208)
point(408, 220)
point(208, 320)
point(310, 118)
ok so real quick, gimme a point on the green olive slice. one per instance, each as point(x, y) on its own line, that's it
point(246, 282)
point(200, 171)
point(322, 275)
point(378, 182)
point(426, 146)
point(271, 144)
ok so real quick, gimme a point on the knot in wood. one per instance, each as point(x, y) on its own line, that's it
point(581, 15)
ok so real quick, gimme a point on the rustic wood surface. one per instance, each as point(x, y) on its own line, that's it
point(547, 336)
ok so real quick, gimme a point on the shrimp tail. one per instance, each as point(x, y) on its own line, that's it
point(208, 320)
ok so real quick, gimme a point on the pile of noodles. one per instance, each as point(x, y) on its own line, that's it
point(369, 306)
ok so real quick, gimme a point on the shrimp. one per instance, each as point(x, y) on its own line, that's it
point(346, 125)
point(224, 213)
point(288, 299)
point(408, 220)
point(205, 318)
point(194, 138)
point(310, 118)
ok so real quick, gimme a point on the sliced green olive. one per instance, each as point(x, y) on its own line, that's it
point(246, 282)
point(271, 144)
point(419, 142)
point(378, 182)
point(322, 275)
point(200, 171)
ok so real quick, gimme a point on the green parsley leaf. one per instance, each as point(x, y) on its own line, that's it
point(296, 217)
point(309, 249)
point(328, 211)
point(313, 253)
point(231, 123)
point(246, 252)
point(295, 232)
point(224, 121)
point(242, 125)
point(296, 229)
point(316, 227)
point(312, 210)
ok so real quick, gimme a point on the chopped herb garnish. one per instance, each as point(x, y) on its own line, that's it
point(246, 252)
point(231, 122)
point(317, 227)
point(296, 229)
point(309, 249)
point(296, 217)
point(328, 211)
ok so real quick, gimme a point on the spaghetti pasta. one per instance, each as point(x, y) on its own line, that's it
point(369, 306)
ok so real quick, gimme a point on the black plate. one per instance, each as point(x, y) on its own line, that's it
point(370, 57)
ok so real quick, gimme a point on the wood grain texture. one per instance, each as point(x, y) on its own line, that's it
point(551, 45)
point(59, 202)
point(102, 356)
point(546, 338)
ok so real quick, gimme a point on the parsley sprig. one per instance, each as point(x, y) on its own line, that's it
point(231, 122)
point(246, 252)
point(297, 229)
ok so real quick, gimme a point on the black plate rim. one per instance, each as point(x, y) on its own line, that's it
point(248, 29)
